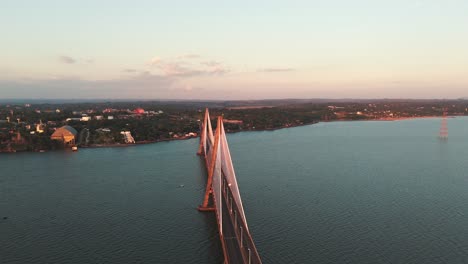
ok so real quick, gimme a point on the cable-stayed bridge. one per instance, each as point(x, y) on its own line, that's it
point(222, 195)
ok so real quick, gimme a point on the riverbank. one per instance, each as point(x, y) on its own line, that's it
point(406, 118)
point(258, 130)
point(116, 145)
point(388, 118)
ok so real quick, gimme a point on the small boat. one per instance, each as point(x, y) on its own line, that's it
point(74, 148)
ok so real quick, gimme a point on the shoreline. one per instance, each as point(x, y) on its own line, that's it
point(260, 130)
point(119, 145)
point(391, 118)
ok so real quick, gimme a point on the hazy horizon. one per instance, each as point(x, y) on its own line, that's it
point(238, 50)
point(162, 100)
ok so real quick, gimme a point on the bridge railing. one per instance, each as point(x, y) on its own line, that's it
point(244, 238)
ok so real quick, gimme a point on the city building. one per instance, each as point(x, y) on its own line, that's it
point(40, 127)
point(139, 111)
point(66, 134)
point(128, 137)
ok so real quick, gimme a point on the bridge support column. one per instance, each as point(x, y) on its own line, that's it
point(208, 192)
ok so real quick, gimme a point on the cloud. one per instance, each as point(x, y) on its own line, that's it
point(67, 60)
point(177, 69)
point(163, 78)
point(141, 85)
point(276, 70)
point(70, 60)
point(181, 70)
point(218, 70)
point(130, 70)
point(210, 63)
point(155, 61)
point(182, 67)
point(188, 56)
point(215, 67)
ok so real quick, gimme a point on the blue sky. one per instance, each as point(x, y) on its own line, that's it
point(234, 49)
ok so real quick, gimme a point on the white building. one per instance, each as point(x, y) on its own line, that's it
point(128, 137)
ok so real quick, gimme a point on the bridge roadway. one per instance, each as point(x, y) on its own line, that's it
point(233, 251)
point(237, 243)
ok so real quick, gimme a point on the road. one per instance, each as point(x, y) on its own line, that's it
point(230, 241)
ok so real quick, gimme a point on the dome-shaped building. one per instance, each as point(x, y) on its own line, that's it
point(66, 134)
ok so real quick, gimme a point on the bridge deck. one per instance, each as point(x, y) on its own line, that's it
point(237, 243)
point(233, 250)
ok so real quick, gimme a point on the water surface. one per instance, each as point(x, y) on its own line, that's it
point(341, 192)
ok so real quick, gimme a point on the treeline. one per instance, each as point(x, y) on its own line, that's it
point(165, 120)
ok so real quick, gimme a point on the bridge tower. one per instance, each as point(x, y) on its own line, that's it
point(210, 155)
point(223, 197)
point(443, 133)
point(206, 136)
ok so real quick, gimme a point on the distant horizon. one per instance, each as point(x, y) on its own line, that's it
point(312, 100)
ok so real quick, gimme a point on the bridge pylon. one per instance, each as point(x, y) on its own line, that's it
point(223, 197)
point(212, 156)
point(206, 136)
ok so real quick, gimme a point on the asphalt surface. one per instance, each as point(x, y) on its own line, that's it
point(233, 249)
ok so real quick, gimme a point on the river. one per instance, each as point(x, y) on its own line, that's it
point(338, 192)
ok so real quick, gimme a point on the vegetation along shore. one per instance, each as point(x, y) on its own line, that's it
point(30, 125)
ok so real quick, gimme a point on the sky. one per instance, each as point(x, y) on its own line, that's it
point(150, 49)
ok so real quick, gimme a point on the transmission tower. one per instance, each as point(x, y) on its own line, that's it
point(443, 133)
